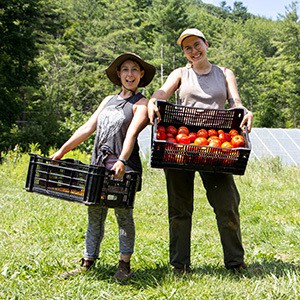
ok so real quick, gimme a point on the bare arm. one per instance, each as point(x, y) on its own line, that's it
point(81, 134)
point(166, 91)
point(235, 100)
point(138, 123)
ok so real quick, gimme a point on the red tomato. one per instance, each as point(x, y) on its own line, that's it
point(171, 140)
point(228, 137)
point(161, 128)
point(202, 133)
point(220, 131)
point(160, 135)
point(183, 138)
point(213, 137)
point(192, 136)
point(183, 129)
point(212, 132)
point(201, 141)
point(215, 143)
point(171, 129)
point(222, 137)
point(237, 141)
point(233, 132)
point(169, 135)
point(226, 145)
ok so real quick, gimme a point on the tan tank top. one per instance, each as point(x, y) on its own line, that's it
point(204, 91)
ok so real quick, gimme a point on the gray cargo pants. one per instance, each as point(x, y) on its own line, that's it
point(96, 224)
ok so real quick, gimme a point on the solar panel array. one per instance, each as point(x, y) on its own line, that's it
point(266, 143)
point(276, 142)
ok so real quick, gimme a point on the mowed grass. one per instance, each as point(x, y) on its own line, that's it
point(41, 237)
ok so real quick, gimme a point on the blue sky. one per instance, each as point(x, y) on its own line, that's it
point(266, 8)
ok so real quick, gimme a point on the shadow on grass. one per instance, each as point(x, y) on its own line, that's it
point(156, 275)
point(151, 277)
point(259, 269)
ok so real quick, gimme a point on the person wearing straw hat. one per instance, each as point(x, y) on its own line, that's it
point(117, 122)
point(208, 86)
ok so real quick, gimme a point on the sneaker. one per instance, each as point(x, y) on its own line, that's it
point(123, 273)
point(182, 271)
point(84, 267)
point(237, 268)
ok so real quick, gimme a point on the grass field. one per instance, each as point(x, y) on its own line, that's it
point(41, 237)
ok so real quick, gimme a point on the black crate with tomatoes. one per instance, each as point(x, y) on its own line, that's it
point(192, 138)
point(71, 180)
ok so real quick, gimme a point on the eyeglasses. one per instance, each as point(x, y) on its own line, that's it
point(189, 49)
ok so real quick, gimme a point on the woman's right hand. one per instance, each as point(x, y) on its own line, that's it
point(57, 155)
point(153, 112)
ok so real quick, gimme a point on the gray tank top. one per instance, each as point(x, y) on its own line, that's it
point(112, 125)
point(203, 91)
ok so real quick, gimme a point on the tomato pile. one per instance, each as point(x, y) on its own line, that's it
point(203, 137)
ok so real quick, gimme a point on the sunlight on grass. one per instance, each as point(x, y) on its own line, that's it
point(40, 237)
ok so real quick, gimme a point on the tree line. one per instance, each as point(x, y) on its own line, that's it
point(53, 55)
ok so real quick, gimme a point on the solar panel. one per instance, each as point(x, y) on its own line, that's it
point(266, 142)
point(144, 141)
point(276, 142)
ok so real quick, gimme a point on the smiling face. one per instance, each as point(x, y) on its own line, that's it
point(194, 49)
point(130, 74)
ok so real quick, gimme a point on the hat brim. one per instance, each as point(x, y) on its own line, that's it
point(190, 32)
point(180, 40)
point(149, 70)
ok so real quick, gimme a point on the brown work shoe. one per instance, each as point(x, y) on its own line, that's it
point(237, 268)
point(182, 271)
point(84, 267)
point(123, 273)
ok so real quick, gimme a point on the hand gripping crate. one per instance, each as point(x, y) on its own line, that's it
point(74, 181)
point(199, 158)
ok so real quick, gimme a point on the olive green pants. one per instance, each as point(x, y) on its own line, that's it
point(222, 195)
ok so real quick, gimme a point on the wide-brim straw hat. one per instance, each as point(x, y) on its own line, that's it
point(149, 70)
point(189, 32)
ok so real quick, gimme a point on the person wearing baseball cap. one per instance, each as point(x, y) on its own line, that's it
point(117, 122)
point(207, 86)
point(190, 32)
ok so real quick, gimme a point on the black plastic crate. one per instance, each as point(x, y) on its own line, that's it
point(74, 181)
point(119, 192)
point(192, 157)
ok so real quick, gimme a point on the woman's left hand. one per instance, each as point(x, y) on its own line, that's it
point(247, 120)
point(119, 169)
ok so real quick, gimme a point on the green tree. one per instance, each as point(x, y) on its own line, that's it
point(280, 101)
point(53, 56)
point(240, 12)
point(166, 19)
point(209, 23)
point(25, 26)
point(231, 49)
point(17, 68)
